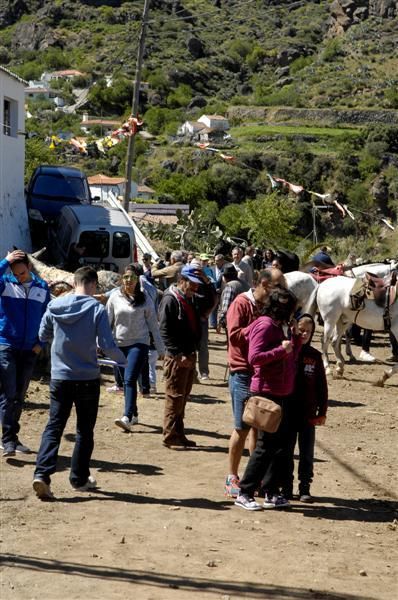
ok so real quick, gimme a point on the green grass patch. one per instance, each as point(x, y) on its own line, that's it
point(250, 131)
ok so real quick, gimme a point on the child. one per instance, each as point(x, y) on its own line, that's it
point(310, 408)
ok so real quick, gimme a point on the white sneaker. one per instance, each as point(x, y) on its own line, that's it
point(153, 389)
point(90, 484)
point(247, 503)
point(114, 389)
point(366, 357)
point(134, 421)
point(42, 489)
point(124, 423)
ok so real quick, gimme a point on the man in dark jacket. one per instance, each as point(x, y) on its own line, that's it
point(23, 301)
point(180, 330)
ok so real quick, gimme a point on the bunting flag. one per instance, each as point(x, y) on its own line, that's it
point(278, 183)
point(221, 154)
point(327, 199)
point(128, 128)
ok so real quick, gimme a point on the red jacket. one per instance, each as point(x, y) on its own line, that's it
point(274, 369)
point(241, 313)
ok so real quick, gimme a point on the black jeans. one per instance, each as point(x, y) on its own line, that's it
point(269, 463)
point(63, 395)
point(305, 434)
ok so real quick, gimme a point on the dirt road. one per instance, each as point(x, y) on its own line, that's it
point(160, 528)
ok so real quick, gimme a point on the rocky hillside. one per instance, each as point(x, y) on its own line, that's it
point(305, 53)
point(310, 88)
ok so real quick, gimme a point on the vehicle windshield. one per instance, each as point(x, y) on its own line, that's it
point(95, 243)
point(57, 186)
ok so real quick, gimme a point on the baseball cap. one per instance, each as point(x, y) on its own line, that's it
point(204, 257)
point(191, 273)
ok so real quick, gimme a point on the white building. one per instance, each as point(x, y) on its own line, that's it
point(214, 122)
point(190, 128)
point(65, 74)
point(101, 185)
point(14, 229)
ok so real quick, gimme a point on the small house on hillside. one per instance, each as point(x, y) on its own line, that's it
point(116, 185)
point(36, 91)
point(208, 129)
point(145, 192)
point(14, 229)
point(214, 122)
point(65, 74)
point(190, 128)
point(107, 125)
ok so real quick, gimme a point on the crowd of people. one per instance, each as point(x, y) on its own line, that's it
point(163, 311)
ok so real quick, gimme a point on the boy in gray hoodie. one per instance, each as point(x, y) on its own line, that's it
point(77, 323)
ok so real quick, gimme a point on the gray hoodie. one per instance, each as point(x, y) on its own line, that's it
point(132, 324)
point(78, 325)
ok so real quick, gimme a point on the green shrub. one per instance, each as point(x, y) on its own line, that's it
point(156, 119)
point(286, 96)
point(391, 95)
point(333, 50)
point(181, 96)
point(300, 63)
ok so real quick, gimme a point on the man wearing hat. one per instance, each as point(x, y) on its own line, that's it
point(180, 330)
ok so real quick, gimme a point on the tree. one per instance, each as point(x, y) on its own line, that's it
point(232, 219)
point(271, 221)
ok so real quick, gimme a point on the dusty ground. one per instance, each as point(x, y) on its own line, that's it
point(160, 528)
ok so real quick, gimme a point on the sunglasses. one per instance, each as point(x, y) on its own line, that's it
point(130, 277)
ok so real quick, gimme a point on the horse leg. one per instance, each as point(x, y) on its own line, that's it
point(336, 343)
point(348, 349)
point(386, 375)
point(327, 336)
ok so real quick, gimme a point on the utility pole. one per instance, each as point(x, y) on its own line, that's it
point(135, 103)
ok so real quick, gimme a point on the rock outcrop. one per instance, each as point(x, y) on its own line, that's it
point(345, 13)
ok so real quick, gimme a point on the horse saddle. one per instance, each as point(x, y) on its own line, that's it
point(382, 290)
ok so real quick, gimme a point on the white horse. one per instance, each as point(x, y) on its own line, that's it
point(304, 287)
point(334, 305)
point(378, 269)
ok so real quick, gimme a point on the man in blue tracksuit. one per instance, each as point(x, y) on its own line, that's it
point(77, 324)
point(23, 302)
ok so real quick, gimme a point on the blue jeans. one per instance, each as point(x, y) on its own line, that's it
point(63, 395)
point(136, 356)
point(16, 368)
point(239, 388)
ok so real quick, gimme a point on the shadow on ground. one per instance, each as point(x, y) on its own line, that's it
point(168, 580)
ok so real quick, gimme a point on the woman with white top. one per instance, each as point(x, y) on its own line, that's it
point(132, 317)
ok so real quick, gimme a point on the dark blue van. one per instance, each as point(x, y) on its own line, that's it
point(49, 189)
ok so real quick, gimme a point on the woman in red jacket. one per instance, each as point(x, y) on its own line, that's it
point(273, 359)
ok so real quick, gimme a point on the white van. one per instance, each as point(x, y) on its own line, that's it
point(103, 236)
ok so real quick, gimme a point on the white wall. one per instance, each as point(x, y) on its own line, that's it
point(14, 229)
